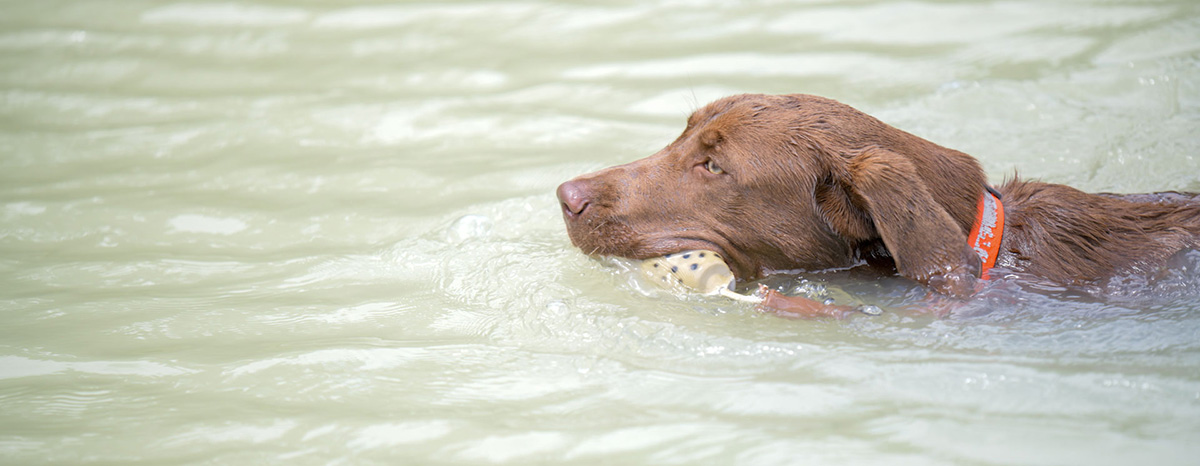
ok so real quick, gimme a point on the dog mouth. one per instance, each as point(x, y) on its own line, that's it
point(669, 246)
point(615, 236)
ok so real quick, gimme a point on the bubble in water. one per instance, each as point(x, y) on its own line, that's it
point(557, 307)
point(469, 226)
point(871, 310)
point(812, 290)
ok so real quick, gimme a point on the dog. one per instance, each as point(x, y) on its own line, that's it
point(800, 182)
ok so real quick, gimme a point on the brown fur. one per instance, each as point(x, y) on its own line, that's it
point(809, 183)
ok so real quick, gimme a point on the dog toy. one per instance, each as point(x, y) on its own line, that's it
point(696, 270)
point(706, 272)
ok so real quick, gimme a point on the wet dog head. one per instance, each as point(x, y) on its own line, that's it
point(782, 182)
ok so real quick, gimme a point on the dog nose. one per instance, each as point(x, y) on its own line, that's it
point(574, 197)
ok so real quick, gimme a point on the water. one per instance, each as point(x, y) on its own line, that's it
point(325, 233)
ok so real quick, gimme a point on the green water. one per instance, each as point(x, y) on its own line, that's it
point(299, 232)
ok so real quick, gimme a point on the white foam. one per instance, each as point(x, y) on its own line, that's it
point(193, 223)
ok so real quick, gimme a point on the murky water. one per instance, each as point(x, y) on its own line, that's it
point(325, 233)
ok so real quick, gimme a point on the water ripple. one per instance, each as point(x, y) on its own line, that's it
point(263, 232)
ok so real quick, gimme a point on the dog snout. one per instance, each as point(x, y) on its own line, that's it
point(575, 197)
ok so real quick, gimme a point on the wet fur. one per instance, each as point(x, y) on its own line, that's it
point(810, 183)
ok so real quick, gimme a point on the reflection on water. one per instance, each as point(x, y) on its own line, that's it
point(290, 231)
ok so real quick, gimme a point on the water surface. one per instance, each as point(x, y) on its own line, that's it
point(325, 233)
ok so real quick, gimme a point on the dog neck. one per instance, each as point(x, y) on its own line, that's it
point(988, 230)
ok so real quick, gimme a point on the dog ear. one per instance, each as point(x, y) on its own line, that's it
point(921, 236)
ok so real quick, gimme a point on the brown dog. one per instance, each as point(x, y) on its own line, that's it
point(802, 182)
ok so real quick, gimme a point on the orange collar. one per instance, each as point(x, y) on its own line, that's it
point(988, 230)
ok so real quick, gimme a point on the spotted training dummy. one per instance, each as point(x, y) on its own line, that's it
point(707, 273)
point(698, 270)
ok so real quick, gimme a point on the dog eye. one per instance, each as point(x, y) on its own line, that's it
point(713, 168)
